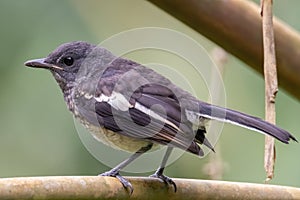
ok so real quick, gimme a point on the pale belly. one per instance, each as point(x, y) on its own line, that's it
point(116, 140)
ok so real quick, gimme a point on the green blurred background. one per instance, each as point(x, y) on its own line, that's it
point(37, 133)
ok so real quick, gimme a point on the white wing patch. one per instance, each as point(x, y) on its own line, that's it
point(119, 102)
point(116, 100)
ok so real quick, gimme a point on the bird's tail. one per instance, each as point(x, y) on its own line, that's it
point(237, 118)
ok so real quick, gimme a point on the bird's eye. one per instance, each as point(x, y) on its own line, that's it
point(68, 61)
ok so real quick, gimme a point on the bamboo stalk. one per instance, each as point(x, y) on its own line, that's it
point(236, 27)
point(97, 187)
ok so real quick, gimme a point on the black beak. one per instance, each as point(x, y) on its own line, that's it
point(40, 63)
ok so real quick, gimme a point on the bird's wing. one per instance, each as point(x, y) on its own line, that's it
point(147, 116)
point(135, 101)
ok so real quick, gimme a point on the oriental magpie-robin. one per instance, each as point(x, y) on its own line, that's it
point(131, 107)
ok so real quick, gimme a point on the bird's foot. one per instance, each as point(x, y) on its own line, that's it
point(126, 184)
point(165, 179)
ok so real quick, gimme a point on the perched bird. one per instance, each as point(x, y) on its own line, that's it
point(131, 107)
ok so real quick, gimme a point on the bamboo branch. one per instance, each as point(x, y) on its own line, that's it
point(144, 188)
point(236, 27)
point(271, 84)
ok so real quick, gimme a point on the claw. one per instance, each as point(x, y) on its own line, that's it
point(165, 179)
point(126, 184)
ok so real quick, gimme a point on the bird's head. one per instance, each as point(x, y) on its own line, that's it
point(67, 60)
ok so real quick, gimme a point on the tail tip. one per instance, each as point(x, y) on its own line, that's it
point(293, 138)
point(290, 138)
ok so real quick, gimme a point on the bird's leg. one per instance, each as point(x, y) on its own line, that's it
point(115, 172)
point(159, 172)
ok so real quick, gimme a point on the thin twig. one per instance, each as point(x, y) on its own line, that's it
point(271, 85)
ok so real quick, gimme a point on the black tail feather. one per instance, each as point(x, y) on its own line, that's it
point(244, 120)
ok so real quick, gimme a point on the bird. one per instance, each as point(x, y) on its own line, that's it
point(133, 108)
